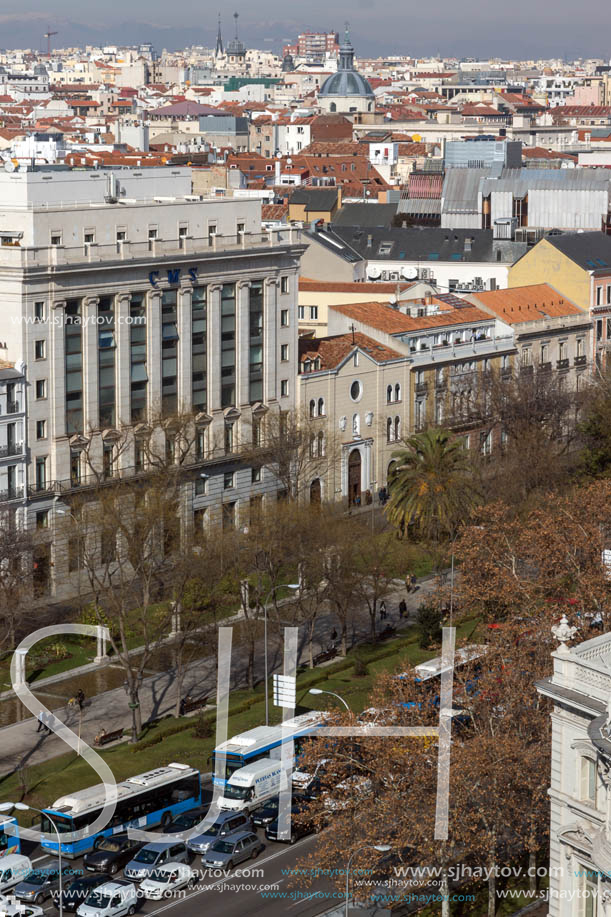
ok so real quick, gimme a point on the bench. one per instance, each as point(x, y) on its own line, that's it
point(105, 738)
point(191, 705)
point(325, 656)
point(388, 632)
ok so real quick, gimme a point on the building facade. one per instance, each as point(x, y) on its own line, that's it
point(136, 303)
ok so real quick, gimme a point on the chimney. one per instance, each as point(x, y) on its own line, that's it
point(428, 299)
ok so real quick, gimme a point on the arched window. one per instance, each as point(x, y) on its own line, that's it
point(397, 428)
point(332, 107)
point(313, 445)
point(389, 394)
point(321, 407)
point(389, 430)
point(397, 392)
point(321, 444)
point(312, 408)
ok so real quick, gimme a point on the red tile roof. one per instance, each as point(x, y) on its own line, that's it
point(333, 350)
point(307, 285)
point(383, 317)
point(528, 303)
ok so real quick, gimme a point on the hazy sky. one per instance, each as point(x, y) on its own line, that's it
point(520, 29)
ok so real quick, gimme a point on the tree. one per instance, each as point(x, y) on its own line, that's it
point(16, 547)
point(595, 426)
point(295, 447)
point(377, 558)
point(431, 485)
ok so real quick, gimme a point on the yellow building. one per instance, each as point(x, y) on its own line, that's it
point(308, 205)
point(569, 262)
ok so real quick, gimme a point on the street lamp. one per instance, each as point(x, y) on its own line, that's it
point(270, 594)
point(332, 693)
point(381, 848)
point(22, 807)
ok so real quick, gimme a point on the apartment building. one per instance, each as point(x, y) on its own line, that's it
point(13, 443)
point(132, 301)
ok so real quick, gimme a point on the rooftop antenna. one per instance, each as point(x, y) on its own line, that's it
point(235, 16)
point(352, 328)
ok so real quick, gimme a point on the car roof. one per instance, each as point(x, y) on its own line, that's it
point(115, 886)
point(167, 867)
point(239, 835)
point(160, 845)
point(13, 859)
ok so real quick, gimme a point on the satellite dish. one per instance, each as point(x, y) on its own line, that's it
point(9, 166)
point(409, 273)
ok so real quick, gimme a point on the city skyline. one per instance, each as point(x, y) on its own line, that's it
point(468, 32)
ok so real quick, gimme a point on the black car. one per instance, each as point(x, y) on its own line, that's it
point(299, 827)
point(76, 893)
point(110, 854)
point(186, 820)
point(266, 812)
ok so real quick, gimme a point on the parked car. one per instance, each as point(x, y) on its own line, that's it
point(41, 883)
point(14, 868)
point(262, 815)
point(186, 821)
point(166, 879)
point(110, 854)
point(299, 828)
point(228, 851)
point(78, 891)
point(114, 899)
point(226, 823)
point(156, 854)
point(9, 907)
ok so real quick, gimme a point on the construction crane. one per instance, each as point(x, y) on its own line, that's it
point(48, 35)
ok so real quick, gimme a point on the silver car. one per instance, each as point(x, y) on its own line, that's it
point(229, 851)
point(151, 856)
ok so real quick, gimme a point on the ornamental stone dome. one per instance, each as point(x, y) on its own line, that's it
point(346, 90)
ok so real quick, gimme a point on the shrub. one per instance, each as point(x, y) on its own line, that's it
point(203, 727)
point(428, 620)
point(360, 668)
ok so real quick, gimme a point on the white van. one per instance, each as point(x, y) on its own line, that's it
point(14, 868)
point(249, 786)
point(113, 899)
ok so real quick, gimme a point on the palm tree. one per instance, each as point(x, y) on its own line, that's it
point(431, 484)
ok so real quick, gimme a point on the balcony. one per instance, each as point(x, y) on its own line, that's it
point(506, 373)
point(527, 369)
point(562, 365)
point(12, 407)
point(581, 361)
point(421, 388)
point(12, 493)
point(545, 367)
point(11, 449)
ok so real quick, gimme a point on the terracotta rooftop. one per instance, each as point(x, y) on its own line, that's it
point(306, 284)
point(526, 304)
point(332, 350)
point(384, 318)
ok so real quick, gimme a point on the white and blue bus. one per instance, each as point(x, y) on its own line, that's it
point(264, 742)
point(144, 801)
point(9, 840)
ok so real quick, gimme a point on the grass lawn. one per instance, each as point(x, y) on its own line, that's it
point(160, 743)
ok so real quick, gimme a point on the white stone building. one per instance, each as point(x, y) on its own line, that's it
point(580, 791)
point(131, 300)
point(13, 443)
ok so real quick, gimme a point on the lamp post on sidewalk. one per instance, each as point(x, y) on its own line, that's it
point(332, 693)
point(381, 848)
point(293, 586)
point(22, 807)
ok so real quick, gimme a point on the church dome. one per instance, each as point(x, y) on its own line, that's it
point(288, 64)
point(347, 81)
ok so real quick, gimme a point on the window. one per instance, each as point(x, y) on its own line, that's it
point(199, 519)
point(284, 353)
point(397, 392)
point(599, 296)
point(255, 355)
point(526, 356)
point(284, 318)
point(39, 312)
point(40, 350)
point(255, 475)
point(199, 364)
point(41, 429)
point(137, 344)
point(41, 473)
point(388, 394)
point(228, 439)
point(89, 236)
point(562, 350)
point(313, 313)
point(153, 233)
point(108, 460)
point(284, 388)
point(42, 519)
point(121, 235)
point(544, 353)
point(609, 294)
point(228, 344)
point(201, 486)
point(397, 427)
point(301, 312)
point(41, 388)
point(106, 361)
point(389, 430)
point(486, 443)
point(312, 408)
point(284, 284)
point(588, 780)
point(321, 407)
point(56, 238)
point(356, 390)
point(240, 228)
point(139, 455)
point(228, 480)
point(580, 343)
point(73, 360)
point(229, 515)
point(75, 554)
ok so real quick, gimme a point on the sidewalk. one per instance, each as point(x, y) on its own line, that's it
point(23, 746)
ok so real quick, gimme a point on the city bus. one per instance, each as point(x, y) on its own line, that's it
point(427, 678)
point(9, 842)
point(144, 801)
point(264, 742)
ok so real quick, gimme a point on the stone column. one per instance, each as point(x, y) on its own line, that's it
point(122, 359)
point(153, 352)
point(101, 638)
point(271, 318)
point(89, 345)
point(242, 342)
point(184, 349)
point(20, 658)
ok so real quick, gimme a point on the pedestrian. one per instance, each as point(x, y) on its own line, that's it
point(402, 608)
point(413, 582)
point(80, 698)
point(333, 639)
point(383, 610)
point(41, 721)
point(46, 717)
point(408, 582)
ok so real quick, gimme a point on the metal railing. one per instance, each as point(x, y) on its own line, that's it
point(11, 449)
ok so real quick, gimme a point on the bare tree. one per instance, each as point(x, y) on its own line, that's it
point(16, 547)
